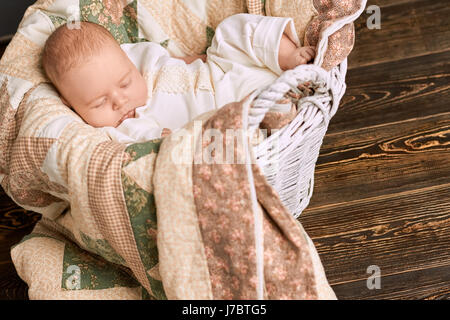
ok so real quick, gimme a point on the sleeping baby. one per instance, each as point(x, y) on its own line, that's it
point(138, 92)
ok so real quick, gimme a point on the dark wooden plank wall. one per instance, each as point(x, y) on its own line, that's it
point(382, 180)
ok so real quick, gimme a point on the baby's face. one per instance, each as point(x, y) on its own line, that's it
point(106, 89)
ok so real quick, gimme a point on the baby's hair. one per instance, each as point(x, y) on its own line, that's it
point(67, 48)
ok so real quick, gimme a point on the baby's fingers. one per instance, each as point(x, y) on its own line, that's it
point(308, 53)
point(311, 51)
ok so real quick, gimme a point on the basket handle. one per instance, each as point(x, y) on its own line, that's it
point(266, 98)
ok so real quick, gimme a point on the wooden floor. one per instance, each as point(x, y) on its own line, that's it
point(382, 181)
point(381, 195)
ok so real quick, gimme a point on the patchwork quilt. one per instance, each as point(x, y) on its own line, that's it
point(130, 222)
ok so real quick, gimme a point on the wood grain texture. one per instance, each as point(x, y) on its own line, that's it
point(408, 29)
point(382, 179)
point(397, 157)
point(394, 92)
point(12, 287)
point(382, 182)
point(397, 232)
point(430, 284)
point(388, 3)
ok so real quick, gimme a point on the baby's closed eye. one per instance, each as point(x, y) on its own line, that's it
point(101, 103)
point(126, 84)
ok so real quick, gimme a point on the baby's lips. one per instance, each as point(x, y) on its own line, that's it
point(129, 114)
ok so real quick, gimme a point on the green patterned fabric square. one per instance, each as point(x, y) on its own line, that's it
point(82, 270)
point(102, 248)
point(141, 208)
point(120, 21)
point(57, 20)
point(137, 150)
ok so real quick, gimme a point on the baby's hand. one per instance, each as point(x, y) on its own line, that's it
point(165, 132)
point(190, 59)
point(290, 56)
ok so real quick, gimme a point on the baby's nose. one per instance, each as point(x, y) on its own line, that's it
point(118, 105)
point(119, 101)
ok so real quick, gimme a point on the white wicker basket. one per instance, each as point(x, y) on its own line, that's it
point(288, 157)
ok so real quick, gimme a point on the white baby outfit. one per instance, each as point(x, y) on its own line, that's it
point(243, 56)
